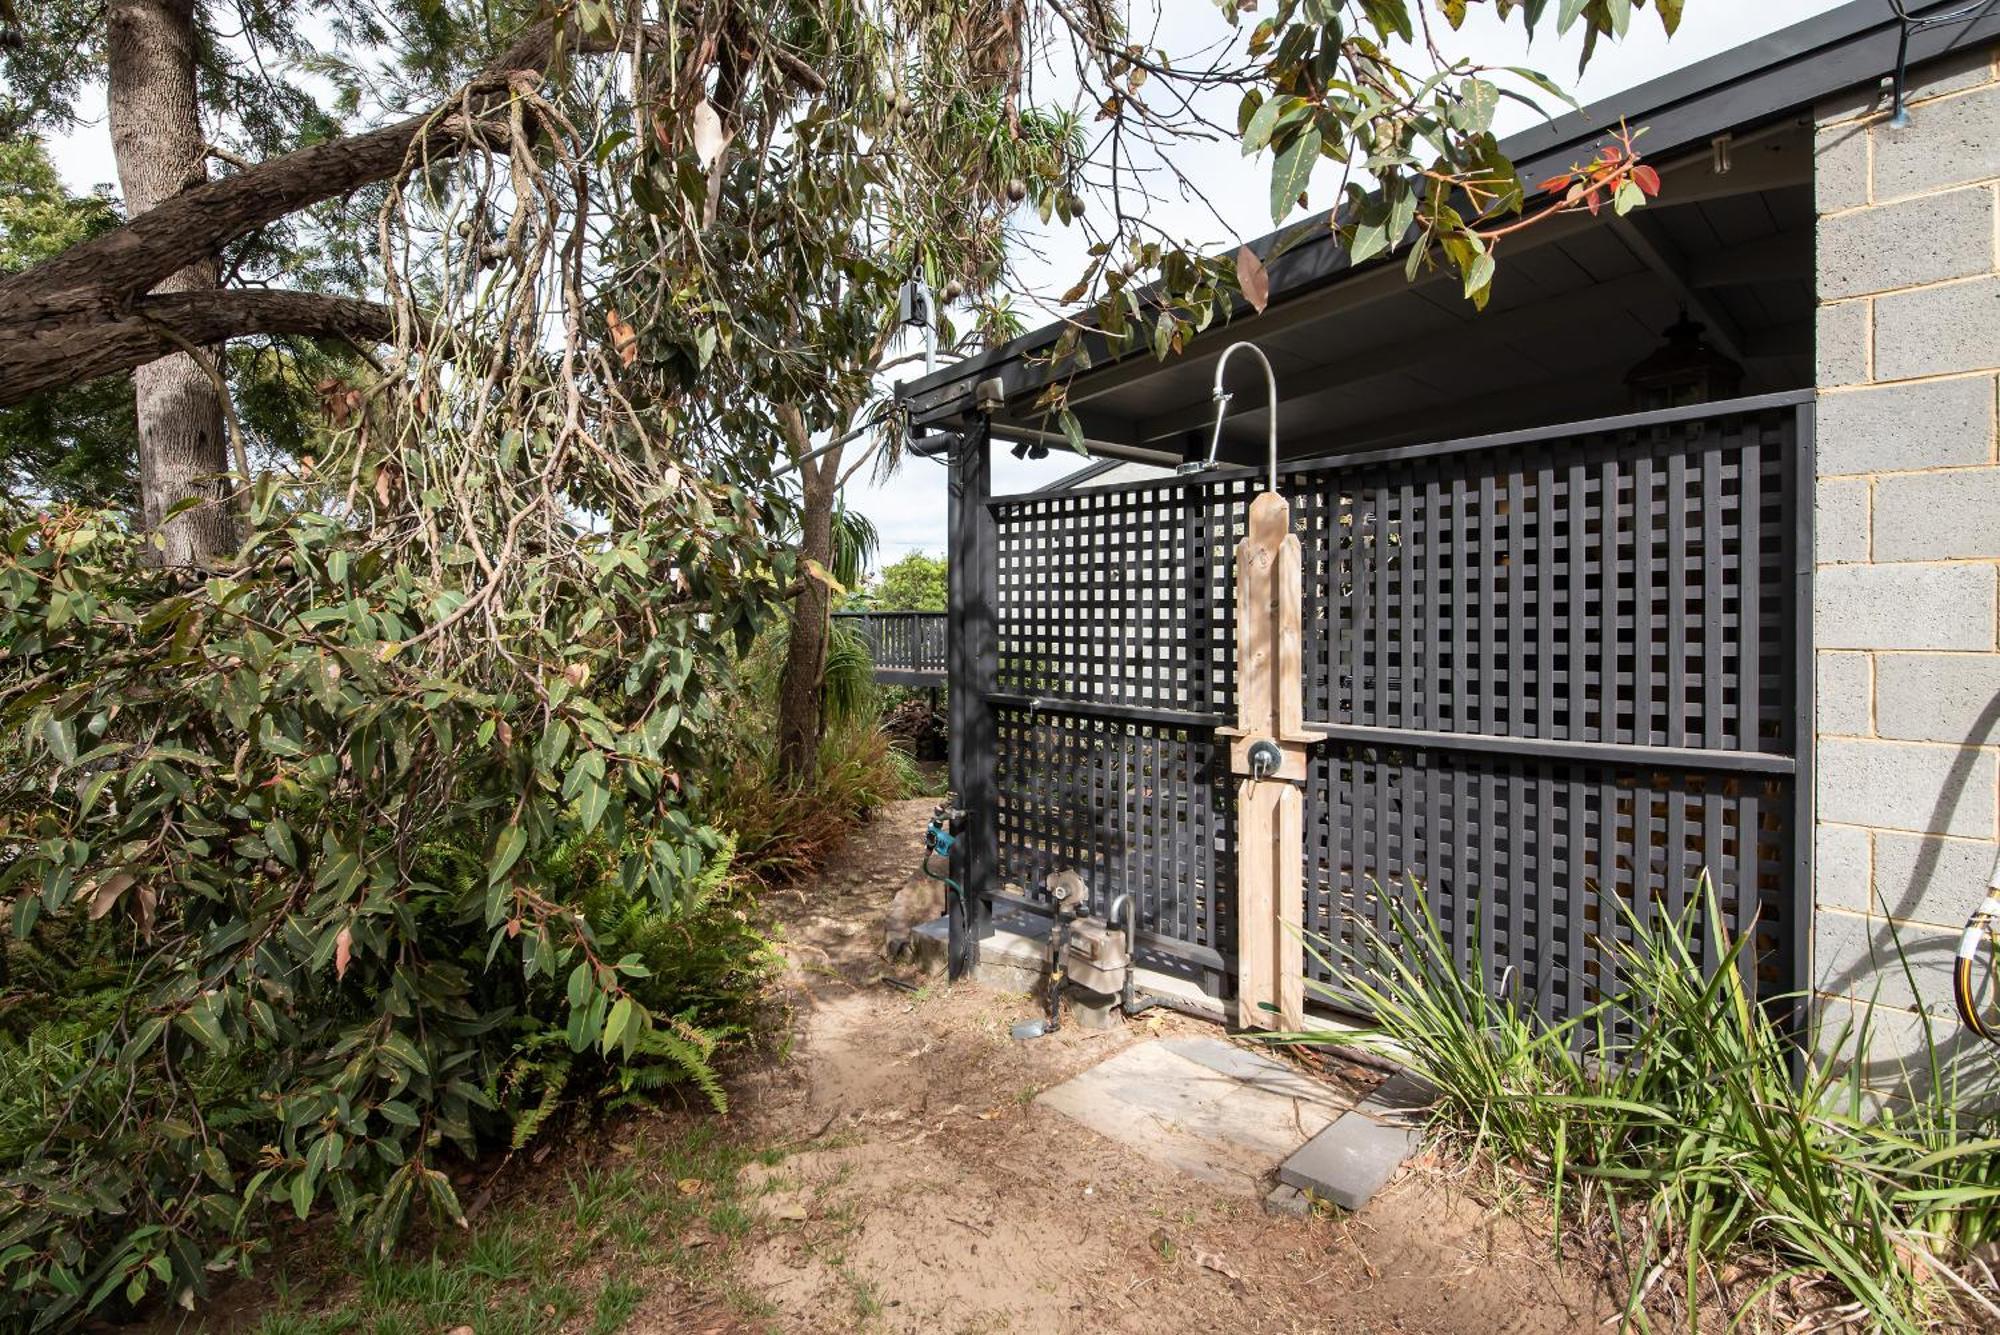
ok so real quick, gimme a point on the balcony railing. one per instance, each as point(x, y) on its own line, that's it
point(909, 648)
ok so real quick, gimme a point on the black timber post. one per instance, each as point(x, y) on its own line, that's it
point(972, 652)
point(1802, 661)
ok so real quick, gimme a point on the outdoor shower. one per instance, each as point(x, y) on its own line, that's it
point(1222, 398)
point(1267, 745)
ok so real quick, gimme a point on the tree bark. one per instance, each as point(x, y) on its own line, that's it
point(51, 309)
point(799, 720)
point(160, 149)
point(69, 352)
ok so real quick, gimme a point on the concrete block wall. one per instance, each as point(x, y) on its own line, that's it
point(1907, 548)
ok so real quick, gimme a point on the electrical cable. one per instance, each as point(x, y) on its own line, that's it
point(1911, 24)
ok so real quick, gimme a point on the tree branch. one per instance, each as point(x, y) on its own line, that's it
point(59, 352)
point(97, 276)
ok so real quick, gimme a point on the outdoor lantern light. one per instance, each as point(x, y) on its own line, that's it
point(1683, 370)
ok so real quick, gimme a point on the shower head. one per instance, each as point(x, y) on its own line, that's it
point(1222, 398)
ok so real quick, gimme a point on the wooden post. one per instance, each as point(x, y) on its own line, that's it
point(1270, 819)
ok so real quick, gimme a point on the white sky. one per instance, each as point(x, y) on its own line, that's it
point(909, 509)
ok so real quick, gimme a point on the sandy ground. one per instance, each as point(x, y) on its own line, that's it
point(930, 1193)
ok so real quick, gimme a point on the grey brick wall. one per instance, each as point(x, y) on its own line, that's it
point(1907, 550)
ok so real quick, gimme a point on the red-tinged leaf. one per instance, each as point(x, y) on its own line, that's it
point(343, 951)
point(1596, 201)
point(107, 894)
point(1253, 278)
point(1648, 179)
point(1555, 185)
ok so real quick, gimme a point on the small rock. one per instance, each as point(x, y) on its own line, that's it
point(1287, 1200)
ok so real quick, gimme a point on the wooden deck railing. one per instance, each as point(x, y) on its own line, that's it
point(909, 648)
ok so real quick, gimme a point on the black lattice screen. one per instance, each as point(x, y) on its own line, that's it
point(1560, 672)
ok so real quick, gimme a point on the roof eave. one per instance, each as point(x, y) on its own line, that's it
point(1744, 86)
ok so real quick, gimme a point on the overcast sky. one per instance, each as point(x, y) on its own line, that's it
point(909, 509)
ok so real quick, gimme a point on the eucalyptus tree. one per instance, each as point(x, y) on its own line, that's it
point(951, 156)
point(312, 782)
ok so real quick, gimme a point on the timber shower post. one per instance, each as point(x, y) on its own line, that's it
point(1267, 753)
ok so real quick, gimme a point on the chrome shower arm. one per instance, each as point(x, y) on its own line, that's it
point(1222, 398)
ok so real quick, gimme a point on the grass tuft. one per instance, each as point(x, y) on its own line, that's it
point(1681, 1113)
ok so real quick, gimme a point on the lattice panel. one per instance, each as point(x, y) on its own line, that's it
point(1630, 587)
point(1121, 595)
point(1622, 587)
point(1135, 808)
point(1526, 864)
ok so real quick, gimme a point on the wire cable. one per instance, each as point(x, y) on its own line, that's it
point(1899, 116)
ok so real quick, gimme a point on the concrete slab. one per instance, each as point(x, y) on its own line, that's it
point(1167, 1100)
point(930, 944)
point(1253, 1068)
point(1404, 1099)
point(1008, 961)
point(1351, 1160)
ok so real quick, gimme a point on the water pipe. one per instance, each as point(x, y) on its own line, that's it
point(1222, 398)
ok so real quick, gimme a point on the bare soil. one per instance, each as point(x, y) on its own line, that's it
point(928, 1192)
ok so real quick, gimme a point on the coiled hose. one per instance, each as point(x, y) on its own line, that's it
point(1983, 925)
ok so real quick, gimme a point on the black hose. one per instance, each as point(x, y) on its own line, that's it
point(1964, 992)
point(1909, 23)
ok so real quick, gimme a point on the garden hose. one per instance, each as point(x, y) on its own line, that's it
point(1983, 925)
point(959, 911)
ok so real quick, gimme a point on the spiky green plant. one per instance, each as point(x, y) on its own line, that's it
point(1684, 1103)
point(847, 682)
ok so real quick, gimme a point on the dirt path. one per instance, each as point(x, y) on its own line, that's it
point(927, 1192)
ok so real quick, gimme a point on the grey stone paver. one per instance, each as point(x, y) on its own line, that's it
point(1167, 1100)
point(1351, 1160)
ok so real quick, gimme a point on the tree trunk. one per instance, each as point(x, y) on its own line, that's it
point(157, 139)
point(805, 652)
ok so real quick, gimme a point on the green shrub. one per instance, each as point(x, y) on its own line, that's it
point(1682, 1104)
point(784, 830)
point(291, 861)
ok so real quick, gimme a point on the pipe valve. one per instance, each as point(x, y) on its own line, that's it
point(1265, 757)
